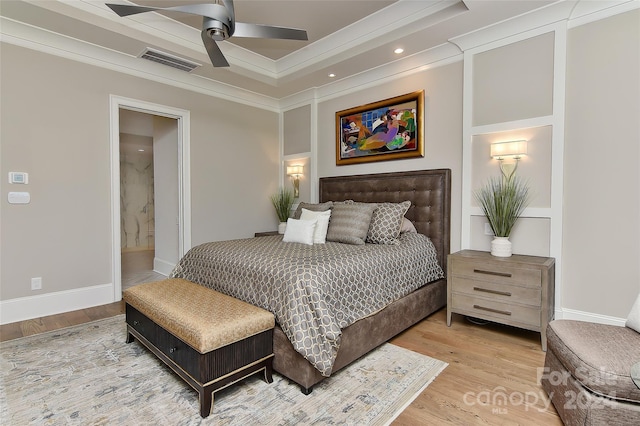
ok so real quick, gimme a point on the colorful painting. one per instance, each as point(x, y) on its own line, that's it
point(384, 130)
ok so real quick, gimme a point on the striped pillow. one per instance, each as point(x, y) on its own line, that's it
point(349, 222)
point(318, 207)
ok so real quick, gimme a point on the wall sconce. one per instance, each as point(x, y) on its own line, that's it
point(510, 149)
point(295, 172)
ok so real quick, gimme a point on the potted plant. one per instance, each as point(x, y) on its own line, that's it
point(282, 201)
point(503, 199)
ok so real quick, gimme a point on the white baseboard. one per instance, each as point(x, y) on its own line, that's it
point(24, 308)
point(162, 266)
point(572, 314)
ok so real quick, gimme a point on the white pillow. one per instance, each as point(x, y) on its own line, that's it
point(633, 320)
point(320, 234)
point(299, 231)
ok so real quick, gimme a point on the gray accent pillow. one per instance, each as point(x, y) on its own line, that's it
point(386, 222)
point(407, 226)
point(350, 222)
point(320, 207)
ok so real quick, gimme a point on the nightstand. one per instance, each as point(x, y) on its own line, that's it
point(265, 234)
point(517, 290)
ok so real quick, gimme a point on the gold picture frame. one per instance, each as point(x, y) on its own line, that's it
point(385, 130)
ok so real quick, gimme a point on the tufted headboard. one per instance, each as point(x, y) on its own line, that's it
point(428, 190)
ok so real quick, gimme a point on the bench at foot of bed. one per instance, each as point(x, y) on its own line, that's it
point(209, 339)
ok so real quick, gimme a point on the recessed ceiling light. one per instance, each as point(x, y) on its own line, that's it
point(141, 150)
point(398, 51)
point(331, 75)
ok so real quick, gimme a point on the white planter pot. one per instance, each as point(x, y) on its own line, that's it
point(501, 247)
point(282, 227)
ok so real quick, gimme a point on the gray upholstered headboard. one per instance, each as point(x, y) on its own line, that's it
point(428, 190)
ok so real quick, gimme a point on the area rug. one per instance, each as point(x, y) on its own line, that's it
point(88, 375)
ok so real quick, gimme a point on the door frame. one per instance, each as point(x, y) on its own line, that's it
point(184, 185)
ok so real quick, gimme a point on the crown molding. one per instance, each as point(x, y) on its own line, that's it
point(576, 12)
point(438, 56)
point(30, 37)
point(393, 22)
point(586, 12)
point(35, 38)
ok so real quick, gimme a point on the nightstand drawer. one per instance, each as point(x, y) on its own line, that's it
point(497, 291)
point(490, 271)
point(517, 290)
point(489, 309)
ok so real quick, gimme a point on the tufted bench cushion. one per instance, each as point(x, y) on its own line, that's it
point(209, 339)
point(204, 318)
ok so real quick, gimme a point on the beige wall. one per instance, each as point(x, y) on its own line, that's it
point(297, 125)
point(442, 130)
point(601, 242)
point(513, 82)
point(55, 126)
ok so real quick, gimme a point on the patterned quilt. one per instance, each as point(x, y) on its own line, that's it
point(313, 291)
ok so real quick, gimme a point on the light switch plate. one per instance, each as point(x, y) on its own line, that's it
point(19, 197)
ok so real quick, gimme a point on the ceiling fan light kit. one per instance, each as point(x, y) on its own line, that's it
point(218, 24)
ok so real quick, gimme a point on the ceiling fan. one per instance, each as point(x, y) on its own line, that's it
point(219, 23)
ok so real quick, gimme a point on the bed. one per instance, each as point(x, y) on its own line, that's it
point(331, 306)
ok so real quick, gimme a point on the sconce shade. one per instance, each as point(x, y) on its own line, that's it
point(295, 170)
point(510, 149)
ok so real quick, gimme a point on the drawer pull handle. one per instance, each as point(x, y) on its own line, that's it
point(497, 311)
point(172, 350)
point(498, 274)
point(135, 322)
point(486, 290)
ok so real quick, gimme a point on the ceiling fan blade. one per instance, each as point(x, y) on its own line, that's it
point(126, 10)
point(215, 54)
point(214, 11)
point(267, 31)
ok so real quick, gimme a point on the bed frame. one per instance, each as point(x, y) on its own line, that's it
point(430, 194)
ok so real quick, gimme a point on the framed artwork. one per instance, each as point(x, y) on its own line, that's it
point(383, 130)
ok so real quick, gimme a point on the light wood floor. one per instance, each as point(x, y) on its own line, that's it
point(491, 378)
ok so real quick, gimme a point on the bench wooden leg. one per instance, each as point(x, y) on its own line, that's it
point(206, 401)
point(268, 371)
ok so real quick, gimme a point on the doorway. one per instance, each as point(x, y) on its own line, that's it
point(140, 133)
point(149, 191)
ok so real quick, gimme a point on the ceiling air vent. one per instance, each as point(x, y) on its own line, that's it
point(169, 60)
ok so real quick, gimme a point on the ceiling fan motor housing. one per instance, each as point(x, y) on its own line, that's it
point(216, 29)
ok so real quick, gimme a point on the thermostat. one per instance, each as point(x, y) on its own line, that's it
point(18, 177)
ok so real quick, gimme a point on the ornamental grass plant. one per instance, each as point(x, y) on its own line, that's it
point(503, 199)
point(283, 201)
